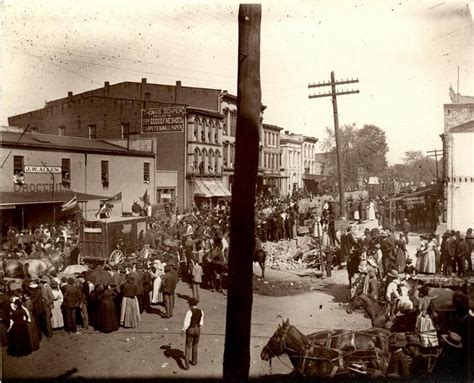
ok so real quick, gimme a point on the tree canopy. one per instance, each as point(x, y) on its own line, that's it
point(363, 151)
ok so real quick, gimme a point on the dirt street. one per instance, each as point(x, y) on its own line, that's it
point(156, 348)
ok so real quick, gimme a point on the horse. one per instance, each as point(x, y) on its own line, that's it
point(260, 256)
point(347, 340)
point(378, 313)
point(36, 268)
point(311, 359)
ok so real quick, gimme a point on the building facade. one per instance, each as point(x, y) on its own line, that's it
point(271, 158)
point(42, 171)
point(309, 164)
point(291, 156)
point(458, 169)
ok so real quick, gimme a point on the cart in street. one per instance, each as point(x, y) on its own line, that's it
point(114, 239)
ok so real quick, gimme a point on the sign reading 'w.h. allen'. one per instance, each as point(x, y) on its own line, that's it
point(42, 169)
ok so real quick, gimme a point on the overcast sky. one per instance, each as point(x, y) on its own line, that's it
point(405, 54)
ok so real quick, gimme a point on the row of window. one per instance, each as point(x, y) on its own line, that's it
point(92, 130)
point(19, 166)
point(271, 161)
point(230, 123)
point(206, 161)
point(308, 150)
point(270, 139)
point(203, 132)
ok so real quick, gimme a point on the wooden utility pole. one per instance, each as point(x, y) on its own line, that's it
point(242, 220)
point(435, 155)
point(334, 93)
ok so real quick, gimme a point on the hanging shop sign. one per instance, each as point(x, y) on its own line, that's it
point(162, 120)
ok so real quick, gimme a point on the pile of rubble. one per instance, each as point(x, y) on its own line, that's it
point(292, 255)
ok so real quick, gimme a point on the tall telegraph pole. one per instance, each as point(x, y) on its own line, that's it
point(334, 93)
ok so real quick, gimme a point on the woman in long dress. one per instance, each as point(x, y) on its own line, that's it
point(107, 317)
point(130, 312)
point(57, 320)
point(19, 342)
point(424, 321)
point(157, 274)
point(372, 211)
point(429, 258)
point(33, 326)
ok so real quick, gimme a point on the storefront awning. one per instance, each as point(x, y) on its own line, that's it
point(210, 188)
point(21, 198)
point(221, 189)
point(201, 190)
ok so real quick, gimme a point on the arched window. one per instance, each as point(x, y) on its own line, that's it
point(203, 130)
point(216, 161)
point(209, 131)
point(197, 156)
point(204, 161)
point(226, 153)
point(196, 129)
point(211, 162)
point(216, 134)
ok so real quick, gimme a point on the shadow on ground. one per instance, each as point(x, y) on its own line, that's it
point(175, 354)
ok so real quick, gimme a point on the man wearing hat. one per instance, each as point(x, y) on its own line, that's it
point(398, 364)
point(48, 300)
point(419, 364)
point(453, 362)
point(71, 302)
point(391, 294)
point(193, 321)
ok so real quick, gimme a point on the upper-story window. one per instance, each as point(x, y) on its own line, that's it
point(62, 131)
point(92, 131)
point(233, 123)
point(225, 126)
point(66, 172)
point(196, 130)
point(18, 173)
point(104, 174)
point(125, 129)
point(146, 172)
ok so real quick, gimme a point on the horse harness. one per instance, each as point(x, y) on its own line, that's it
point(309, 348)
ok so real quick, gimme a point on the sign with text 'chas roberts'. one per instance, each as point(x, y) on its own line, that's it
point(169, 119)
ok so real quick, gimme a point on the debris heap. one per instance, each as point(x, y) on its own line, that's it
point(285, 255)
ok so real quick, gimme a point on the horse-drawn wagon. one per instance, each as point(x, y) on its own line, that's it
point(111, 240)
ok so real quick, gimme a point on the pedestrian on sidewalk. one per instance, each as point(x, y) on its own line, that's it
point(193, 321)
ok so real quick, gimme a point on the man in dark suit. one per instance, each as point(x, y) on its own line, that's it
point(71, 302)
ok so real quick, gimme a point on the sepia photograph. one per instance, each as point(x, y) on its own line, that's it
point(212, 190)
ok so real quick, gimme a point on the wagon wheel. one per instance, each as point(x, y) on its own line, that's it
point(116, 257)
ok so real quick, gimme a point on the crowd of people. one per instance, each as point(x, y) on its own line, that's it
point(193, 248)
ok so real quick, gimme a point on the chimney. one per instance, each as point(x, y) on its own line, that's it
point(106, 88)
point(176, 92)
point(143, 80)
point(287, 132)
point(69, 95)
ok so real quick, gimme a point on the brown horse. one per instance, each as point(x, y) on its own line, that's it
point(347, 340)
point(378, 313)
point(310, 358)
point(260, 257)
